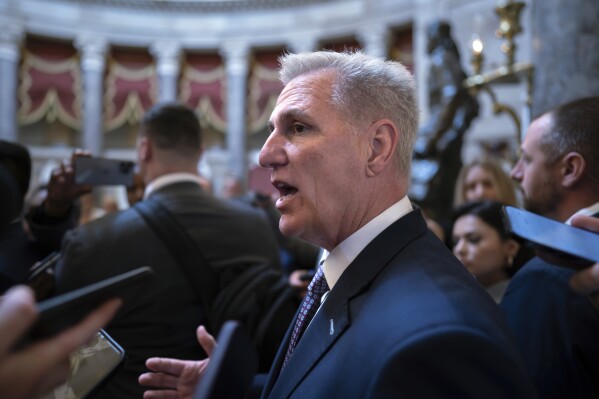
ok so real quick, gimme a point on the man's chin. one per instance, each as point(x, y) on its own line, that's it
point(288, 228)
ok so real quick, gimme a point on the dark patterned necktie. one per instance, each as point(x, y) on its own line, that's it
point(318, 286)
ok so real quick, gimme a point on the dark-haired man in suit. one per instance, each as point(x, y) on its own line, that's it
point(162, 318)
point(555, 327)
point(402, 317)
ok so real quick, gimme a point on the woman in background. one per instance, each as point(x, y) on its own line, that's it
point(484, 180)
point(482, 244)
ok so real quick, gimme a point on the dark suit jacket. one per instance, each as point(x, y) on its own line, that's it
point(556, 329)
point(405, 320)
point(162, 318)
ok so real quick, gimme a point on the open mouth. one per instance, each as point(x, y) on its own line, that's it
point(285, 190)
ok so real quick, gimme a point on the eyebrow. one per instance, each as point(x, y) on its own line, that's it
point(292, 113)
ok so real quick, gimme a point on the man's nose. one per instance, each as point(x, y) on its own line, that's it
point(271, 153)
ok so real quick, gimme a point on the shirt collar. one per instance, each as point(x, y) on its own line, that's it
point(344, 254)
point(169, 179)
point(589, 211)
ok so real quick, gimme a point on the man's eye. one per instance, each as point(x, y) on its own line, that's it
point(298, 128)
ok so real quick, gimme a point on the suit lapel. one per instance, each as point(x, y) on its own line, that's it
point(333, 318)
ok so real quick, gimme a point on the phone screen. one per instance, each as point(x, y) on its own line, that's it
point(91, 367)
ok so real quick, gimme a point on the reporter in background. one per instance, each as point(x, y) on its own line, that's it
point(556, 329)
point(482, 244)
point(484, 179)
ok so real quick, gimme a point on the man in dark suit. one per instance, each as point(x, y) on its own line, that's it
point(403, 317)
point(556, 328)
point(162, 318)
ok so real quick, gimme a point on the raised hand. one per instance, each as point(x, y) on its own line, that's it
point(177, 379)
point(62, 189)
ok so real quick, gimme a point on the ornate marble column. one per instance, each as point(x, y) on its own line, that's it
point(10, 52)
point(168, 55)
point(565, 51)
point(375, 40)
point(236, 64)
point(93, 62)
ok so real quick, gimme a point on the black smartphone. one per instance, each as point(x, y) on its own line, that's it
point(104, 171)
point(43, 266)
point(92, 366)
point(65, 310)
point(563, 240)
point(234, 359)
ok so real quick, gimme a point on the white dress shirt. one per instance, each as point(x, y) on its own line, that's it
point(168, 179)
point(344, 254)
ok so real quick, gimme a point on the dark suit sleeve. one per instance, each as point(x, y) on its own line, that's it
point(49, 231)
point(79, 264)
point(560, 344)
point(66, 273)
point(450, 364)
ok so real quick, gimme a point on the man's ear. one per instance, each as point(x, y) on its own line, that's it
point(383, 137)
point(573, 166)
point(144, 149)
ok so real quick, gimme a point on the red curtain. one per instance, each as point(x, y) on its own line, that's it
point(202, 88)
point(50, 84)
point(130, 87)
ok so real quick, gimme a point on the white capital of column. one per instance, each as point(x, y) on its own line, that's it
point(167, 55)
point(236, 55)
point(93, 52)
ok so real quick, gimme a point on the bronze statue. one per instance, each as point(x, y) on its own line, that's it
point(437, 152)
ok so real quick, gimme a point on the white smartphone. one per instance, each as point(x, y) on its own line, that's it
point(103, 171)
point(564, 240)
point(92, 366)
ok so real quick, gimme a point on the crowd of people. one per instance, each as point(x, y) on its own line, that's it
point(391, 310)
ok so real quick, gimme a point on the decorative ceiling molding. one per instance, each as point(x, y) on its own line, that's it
point(204, 6)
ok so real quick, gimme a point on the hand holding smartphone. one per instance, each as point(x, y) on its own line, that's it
point(103, 171)
point(557, 242)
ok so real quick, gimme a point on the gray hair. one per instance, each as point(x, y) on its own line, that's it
point(366, 89)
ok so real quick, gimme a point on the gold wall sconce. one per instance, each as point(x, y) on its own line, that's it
point(510, 72)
